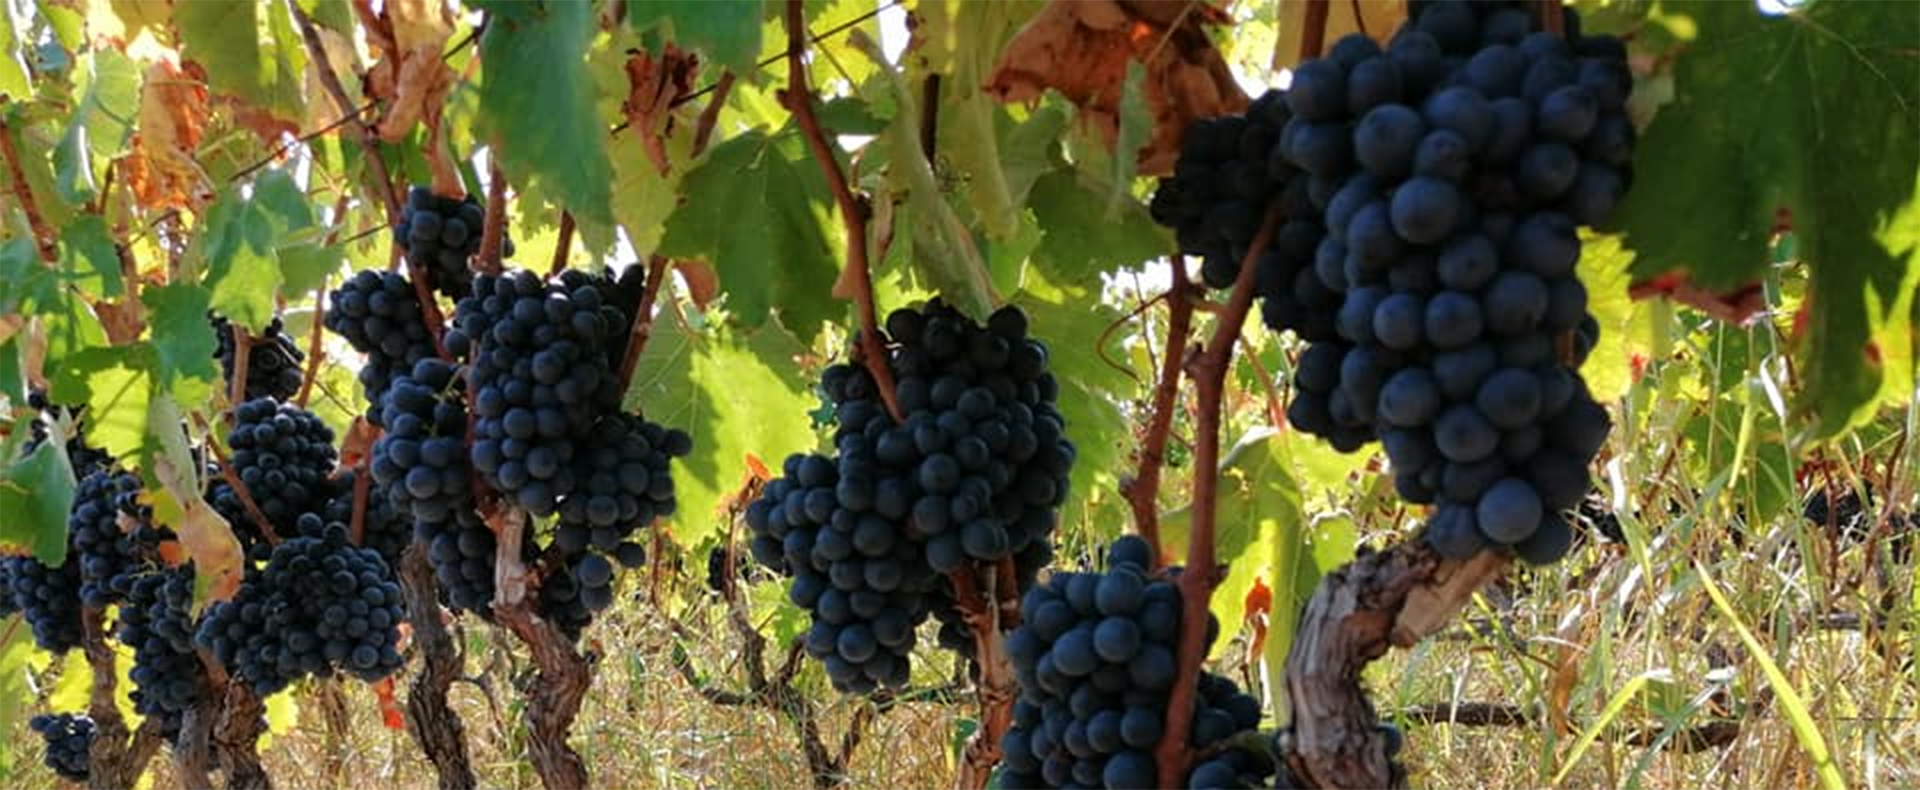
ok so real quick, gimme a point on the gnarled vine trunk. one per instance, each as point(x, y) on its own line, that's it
point(1392, 598)
point(432, 723)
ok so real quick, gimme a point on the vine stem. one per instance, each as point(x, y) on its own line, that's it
point(561, 247)
point(854, 211)
point(493, 232)
point(710, 115)
point(1391, 598)
point(1314, 35)
point(1208, 366)
point(43, 235)
point(1142, 492)
point(642, 320)
point(315, 351)
point(1551, 18)
point(242, 352)
point(116, 758)
point(369, 141)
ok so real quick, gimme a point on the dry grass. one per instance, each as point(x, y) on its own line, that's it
point(1573, 636)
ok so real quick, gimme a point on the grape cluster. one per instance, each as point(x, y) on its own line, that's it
point(283, 455)
point(318, 606)
point(744, 569)
point(273, 360)
point(975, 473)
point(542, 379)
point(462, 551)
point(378, 313)
point(1853, 519)
point(628, 485)
point(69, 739)
point(420, 469)
point(1450, 172)
point(440, 234)
point(1228, 175)
point(421, 457)
point(1095, 660)
point(49, 599)
point(156, 621)
point(107, 531)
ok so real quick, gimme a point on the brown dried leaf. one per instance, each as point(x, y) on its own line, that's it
point(653, 85)
point(410, 73)
point(173, 117)
point(1081, 49)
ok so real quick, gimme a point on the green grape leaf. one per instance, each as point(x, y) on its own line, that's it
point(728, 31)
point(771, 607)
point(114, 383)
point(25, 285)
point(737, 393)
point(1828, 144)
point(749, 210)
point(36, 492)
point(13, 375)
point(1136, 128)
point(243, 57)
point(1080, 238)
point(1603, 269)
point(960, 41)
point(306, 266)
point(329, 14)
point(13, 69)
point(537, 104)
point(108, 84)
point(242, 242)
point(183, 340)
point(72, 328)
point(1258, 521)
point(75, 685)
point(88, 257)
point(643, 199)
point(16, 647)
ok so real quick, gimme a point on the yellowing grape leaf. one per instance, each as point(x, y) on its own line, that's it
point(206, 536)
point(173, 116)
point(738, 392)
